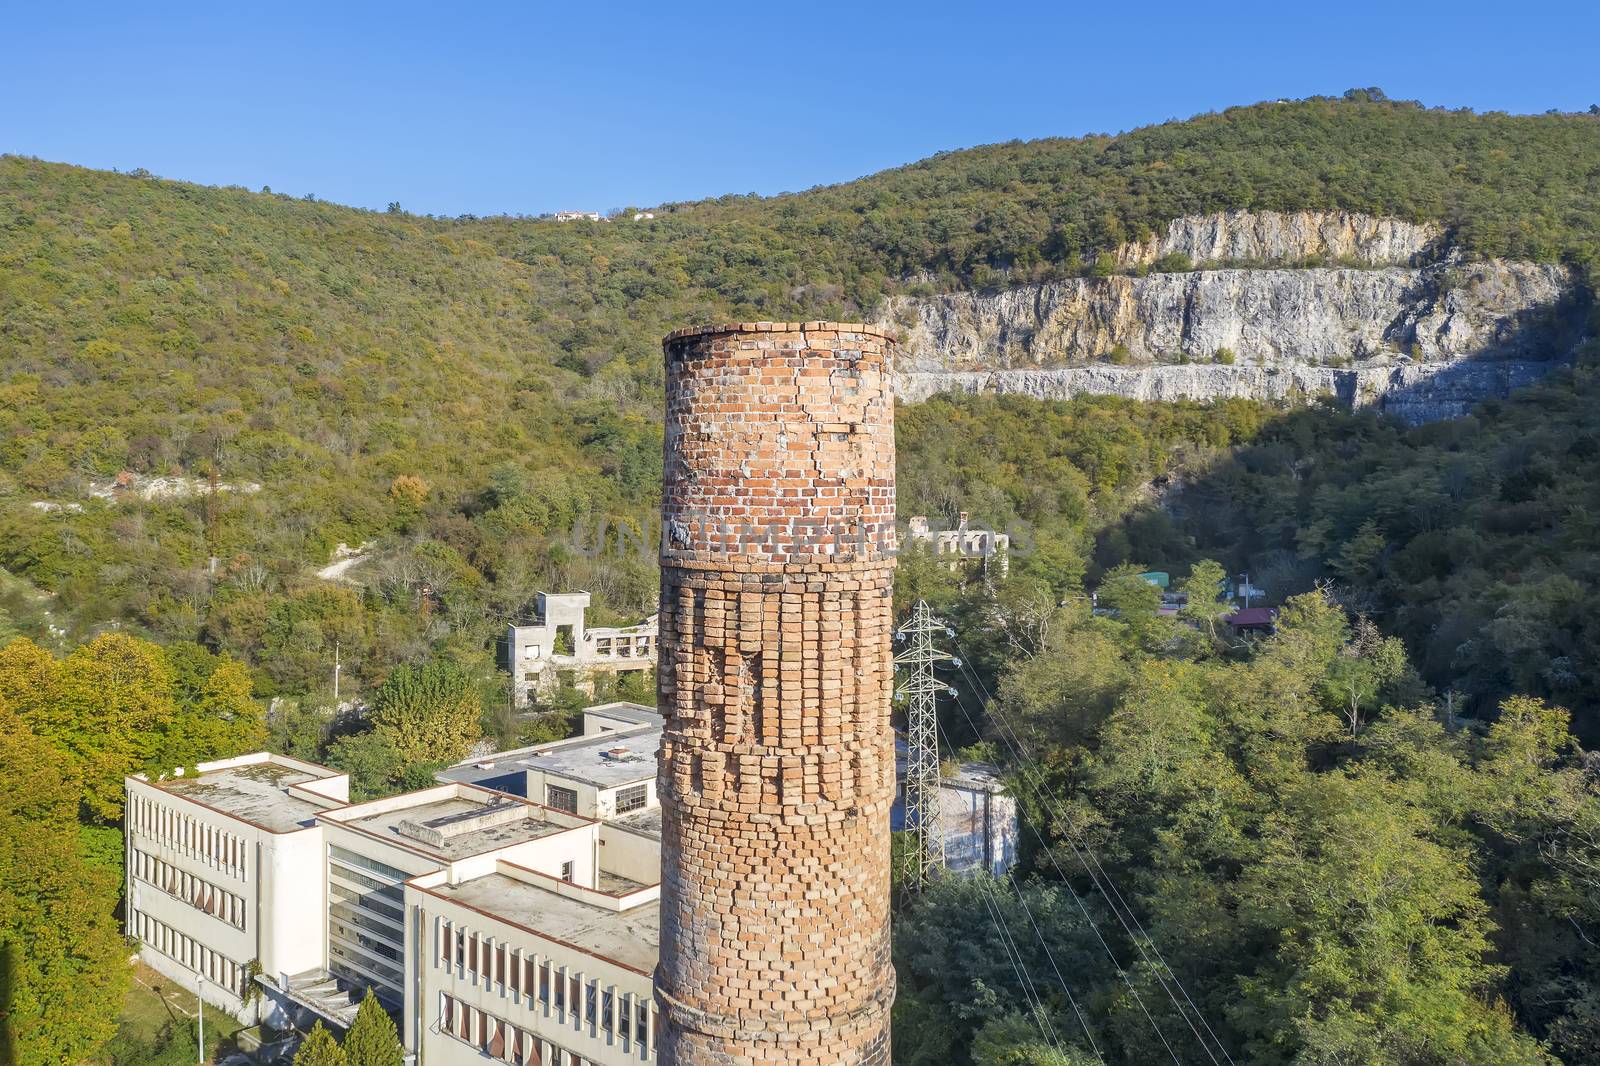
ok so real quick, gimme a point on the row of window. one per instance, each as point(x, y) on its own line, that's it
point(187, 835)
point(541, 982)
point(625, 647)
point(213, 966)
point(366, 922)
point(200, 894)
point(499, 1039)
point(632, 798)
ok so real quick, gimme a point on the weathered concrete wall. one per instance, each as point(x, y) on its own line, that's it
point(777, 764)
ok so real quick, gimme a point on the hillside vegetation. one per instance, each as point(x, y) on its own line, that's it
point(1349, 847)
point(463, 391)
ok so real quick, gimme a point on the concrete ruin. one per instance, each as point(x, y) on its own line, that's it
point(558, 645)
point(777, 759)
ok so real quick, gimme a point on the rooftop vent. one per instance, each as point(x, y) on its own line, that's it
point(621, 755)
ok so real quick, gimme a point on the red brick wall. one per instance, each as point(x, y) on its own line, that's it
point(777, 765)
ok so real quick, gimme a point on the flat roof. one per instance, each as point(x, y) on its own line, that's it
point(647, 822)
point(631, 938)
point(456, 828)
point(604, 760)
point(252, 792)
point(637, 713)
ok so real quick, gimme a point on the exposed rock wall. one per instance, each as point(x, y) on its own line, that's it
point(1288, 238)
point(1416, 393)
point(1381, 334)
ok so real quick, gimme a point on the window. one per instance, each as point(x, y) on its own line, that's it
point(566, 871)
point(562, 799)
point(631, 798)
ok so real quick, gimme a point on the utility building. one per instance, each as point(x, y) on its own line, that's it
point(777, 761)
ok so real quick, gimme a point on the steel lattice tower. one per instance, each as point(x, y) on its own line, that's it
point(922, 737)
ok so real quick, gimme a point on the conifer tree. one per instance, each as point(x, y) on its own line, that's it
point(372, 1039)
point(319, 1049)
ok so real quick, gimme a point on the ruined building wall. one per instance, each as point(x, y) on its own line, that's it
point(777, 764)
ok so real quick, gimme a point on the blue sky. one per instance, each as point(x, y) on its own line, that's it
point(523, 108)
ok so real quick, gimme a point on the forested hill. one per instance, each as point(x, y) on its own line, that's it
point(471, 387)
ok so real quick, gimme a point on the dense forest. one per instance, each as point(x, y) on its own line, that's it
point(1370, 837)
point(464, 391)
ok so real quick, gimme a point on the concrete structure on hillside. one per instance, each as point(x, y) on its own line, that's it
point(977, 815)
point(777, 760)
point(558, 646)
point(963, 544)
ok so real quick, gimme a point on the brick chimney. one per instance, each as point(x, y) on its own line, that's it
point(777, 763)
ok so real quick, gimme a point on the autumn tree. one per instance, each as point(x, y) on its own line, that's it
point(120, 705)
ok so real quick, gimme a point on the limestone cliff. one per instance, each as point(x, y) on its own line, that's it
point(1289, 239)
point(1398, 331)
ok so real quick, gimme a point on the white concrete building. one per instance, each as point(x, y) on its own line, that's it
point(557, 645)
point(221, 870)
point(606, 773)
point(978, 817)
point(485, 922)
point(963, 544)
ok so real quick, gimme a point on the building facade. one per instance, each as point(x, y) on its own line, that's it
point(256, 880)
point(218, 865)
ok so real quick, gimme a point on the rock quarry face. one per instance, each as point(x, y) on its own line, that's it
point(1289, 239)
point(1412, 329)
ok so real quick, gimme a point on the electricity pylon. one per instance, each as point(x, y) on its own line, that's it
point(922, 737)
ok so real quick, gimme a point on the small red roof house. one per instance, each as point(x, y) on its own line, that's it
point(1253, 619)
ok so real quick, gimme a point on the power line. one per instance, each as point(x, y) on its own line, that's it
point(1014, 956)
point(1100, 878)
point(1089, 919)
point(923, 805)
point(1048, 954)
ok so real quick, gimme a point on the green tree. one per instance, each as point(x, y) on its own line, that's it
point(1017, 1040)
point(429, 715)
point(372, 1039)
point(62, 957)
point(216, 716)
point(320, 1049)
point(1358, 675)
point(107, 704)
point(1204, 605)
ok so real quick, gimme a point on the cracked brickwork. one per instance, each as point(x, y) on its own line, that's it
point(777, 764)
